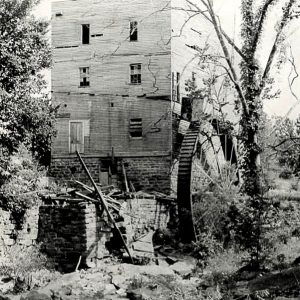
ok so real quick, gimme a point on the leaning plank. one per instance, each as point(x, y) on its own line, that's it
point(125, 178)
point(109, 199)
point(86, 187)
point(103, 201)
point(86, 197)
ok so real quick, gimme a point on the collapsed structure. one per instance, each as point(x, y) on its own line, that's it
point(118, 80)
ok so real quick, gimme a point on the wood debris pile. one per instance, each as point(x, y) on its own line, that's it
point(81, 192)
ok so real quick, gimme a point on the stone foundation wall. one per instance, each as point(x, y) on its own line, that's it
point(73, 231)
point(69, 232)
point(65, 169)
point(145, 173)
point(149, 173)
point(9, 235)
point(144, 213)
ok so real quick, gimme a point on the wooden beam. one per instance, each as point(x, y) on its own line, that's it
point(103, 202)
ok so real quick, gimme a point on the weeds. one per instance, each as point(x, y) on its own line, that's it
point(27, 267)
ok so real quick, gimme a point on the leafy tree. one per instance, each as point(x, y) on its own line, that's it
point(26, 115)
point(286, 145)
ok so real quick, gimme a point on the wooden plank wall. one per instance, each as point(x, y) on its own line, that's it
point(111, 101)
point(109, 125)
point(110, 55)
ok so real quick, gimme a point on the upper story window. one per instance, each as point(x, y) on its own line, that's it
point(84, 76)
point(133, 31)
point(136, 73)
point(85, 30)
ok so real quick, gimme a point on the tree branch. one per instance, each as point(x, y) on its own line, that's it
point(228, 39)
point(282, 25)
point(262, 18)
point(232, 72)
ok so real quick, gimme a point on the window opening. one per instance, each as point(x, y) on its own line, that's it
point(85, 28)
point(136, 127)
point(84, 76)
point(133, 31)
point(135, 74)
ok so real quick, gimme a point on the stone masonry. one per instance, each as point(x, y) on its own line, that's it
point(145, 173)
point(73, 232)
point(27, 236)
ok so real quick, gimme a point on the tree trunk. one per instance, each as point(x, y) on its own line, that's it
point(250, 157)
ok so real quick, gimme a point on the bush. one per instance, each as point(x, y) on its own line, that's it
point(21, 183)
point(225, 263)
point(225, 218)
point(286, 174)
point(27, 266)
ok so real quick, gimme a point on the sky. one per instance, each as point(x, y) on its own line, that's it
point(228, 11)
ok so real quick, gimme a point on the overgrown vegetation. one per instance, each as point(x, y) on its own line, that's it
point(26, 266)
point(26, 114)
point(22, 179)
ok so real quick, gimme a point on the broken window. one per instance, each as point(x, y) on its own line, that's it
point(84, 76)
point(76, 137)
point(85, 28)
point(136, 127)
point(135, 74)
point(133, 31)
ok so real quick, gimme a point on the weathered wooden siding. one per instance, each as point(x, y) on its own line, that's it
point(110, 55)
point(108, 104)
point(107, 120)
point(185, 60)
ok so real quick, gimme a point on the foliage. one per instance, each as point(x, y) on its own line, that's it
point(225, 218)
point(286, 146)
point(21, 181)
point(27, 266)
point(225, 263)
point(250, 80)
point(164, 287)
point(211, 205)
point(26, 115)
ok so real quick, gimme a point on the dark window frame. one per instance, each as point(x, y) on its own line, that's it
point(133, 33)
point(136, 73)
point(85, 34)
point(84, 77)
point(136, 128)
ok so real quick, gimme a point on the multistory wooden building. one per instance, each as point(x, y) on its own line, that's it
point(118, 77)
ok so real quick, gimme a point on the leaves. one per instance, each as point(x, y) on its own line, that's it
point(26, 115)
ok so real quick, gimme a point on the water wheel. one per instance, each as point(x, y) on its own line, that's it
point(187, 164)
